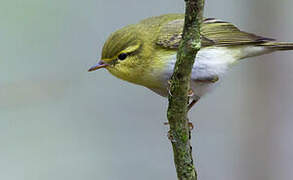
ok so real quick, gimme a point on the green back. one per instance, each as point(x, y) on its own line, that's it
point(214, 33)
point(165, 31)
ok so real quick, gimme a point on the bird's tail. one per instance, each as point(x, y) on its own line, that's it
point(281, 46)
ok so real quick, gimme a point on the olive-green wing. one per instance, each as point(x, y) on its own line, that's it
point(214, 32)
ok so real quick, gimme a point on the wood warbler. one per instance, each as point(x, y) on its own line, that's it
point(145, 53)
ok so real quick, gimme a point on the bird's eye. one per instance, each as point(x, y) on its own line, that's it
point(122, 56)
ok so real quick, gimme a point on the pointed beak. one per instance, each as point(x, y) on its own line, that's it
point(99, 65)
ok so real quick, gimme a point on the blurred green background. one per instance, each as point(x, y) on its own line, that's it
point(57, 121)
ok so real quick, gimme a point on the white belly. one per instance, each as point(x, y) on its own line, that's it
point(209, 62)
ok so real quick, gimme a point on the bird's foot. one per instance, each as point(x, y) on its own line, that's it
point(190, 93)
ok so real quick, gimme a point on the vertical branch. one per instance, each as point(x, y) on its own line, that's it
point(179, 133)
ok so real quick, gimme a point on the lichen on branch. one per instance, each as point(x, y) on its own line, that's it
point(179, 133)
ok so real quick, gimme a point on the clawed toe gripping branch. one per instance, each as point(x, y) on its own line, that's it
point(179, 133)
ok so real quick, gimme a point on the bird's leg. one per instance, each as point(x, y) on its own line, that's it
point(190, 105)
point(190, 95)
point(211, 79)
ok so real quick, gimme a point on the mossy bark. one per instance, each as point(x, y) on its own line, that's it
point(179, 133)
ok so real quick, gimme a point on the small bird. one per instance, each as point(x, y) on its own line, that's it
point(145, 53)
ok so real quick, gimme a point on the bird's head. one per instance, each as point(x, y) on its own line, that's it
point(130, 54)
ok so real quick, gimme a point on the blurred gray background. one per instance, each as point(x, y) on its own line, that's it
point(57, 121)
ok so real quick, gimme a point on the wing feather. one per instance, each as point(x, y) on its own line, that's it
point(214, 32)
